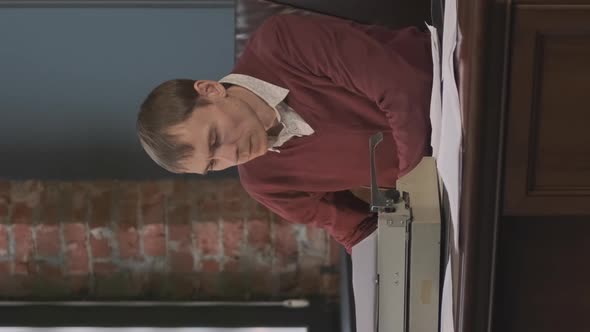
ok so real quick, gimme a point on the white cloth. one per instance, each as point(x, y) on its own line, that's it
point(274, 96)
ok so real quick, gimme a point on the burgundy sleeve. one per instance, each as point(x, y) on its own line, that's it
point(341, 214)
point(349, 56)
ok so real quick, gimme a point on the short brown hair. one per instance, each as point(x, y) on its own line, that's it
point(169, 104)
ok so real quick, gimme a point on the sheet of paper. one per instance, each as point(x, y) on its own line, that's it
point(435, 97)
point(449, 153)
point(447, 323)
point(438, 140)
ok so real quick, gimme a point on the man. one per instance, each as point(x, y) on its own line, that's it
point(295, 115)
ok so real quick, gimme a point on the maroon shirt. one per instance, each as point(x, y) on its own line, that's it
point(347, 81)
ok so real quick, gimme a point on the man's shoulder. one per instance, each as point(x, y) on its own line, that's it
point(263, 175)
point(292, 24)
point(270, 30)
point(281, 20)
point(251, 178)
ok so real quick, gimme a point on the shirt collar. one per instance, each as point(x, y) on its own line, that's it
point(270, 93)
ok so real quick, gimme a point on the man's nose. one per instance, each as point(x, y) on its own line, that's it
point(226, 153)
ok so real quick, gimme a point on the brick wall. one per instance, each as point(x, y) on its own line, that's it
point(173, 239)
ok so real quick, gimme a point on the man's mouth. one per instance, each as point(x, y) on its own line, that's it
point(239, 152)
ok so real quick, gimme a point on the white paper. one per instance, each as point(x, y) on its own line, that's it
point(447, 324)
point(440, 146)
point(449, 157)
point(435, 97)
point(449, 153)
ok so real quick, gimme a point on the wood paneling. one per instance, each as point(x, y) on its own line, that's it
point(548, 142)
point(543, 278)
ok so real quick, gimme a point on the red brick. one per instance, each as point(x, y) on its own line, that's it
point(263, 284)
point(235, 199)
point(330, 284)
point(23, 240)
point(78, 213)
point(285, 243)
point(104, 268)
point(128, 213)
point(128, 190)
point(207, 237)
point(154, 240)
point(232, 265)
point(24, 267)
point(48, 240)
point(50, 204)
point(5, 269)
point(183, 286)
point(22, 214)
point(209, 285)
point(27, 192)
point(259, 233)
point(210, 266)
point(151, 192)
point(208, 200)
point(4, 241)
point(3, 212)
point(48, 270)
point(180, 233)
point(310, 273)
point(78, 285)
point(4, 199)
point(128, 243)
point(74, 233)
point(289, 283)
point(128, 204)
point(16, 286)
point(5, 191)
point(181, 262)
point(178, 212)
point(233, 235)
point(153, 213)
point(77, 209)
point(257, 210)
point(335, 252)
point(101, 207)
point(77, 261)
point(100, 242)
point(181, 189)
point(180, 248)
point(317, 243)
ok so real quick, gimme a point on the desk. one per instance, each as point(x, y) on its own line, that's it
point(524, 78)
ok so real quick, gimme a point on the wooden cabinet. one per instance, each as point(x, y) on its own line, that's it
point(547, 169)
point(524, 72)
point(542, 280)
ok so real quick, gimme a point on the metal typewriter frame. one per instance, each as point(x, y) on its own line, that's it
point(408, 249)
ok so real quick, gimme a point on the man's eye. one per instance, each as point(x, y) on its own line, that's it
point(214, 140)
point(211, 165)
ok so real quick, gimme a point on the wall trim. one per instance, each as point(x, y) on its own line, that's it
point(116, 3)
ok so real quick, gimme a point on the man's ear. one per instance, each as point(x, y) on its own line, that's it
point(210, 89)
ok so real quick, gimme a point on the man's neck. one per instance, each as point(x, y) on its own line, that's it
point(263, 111)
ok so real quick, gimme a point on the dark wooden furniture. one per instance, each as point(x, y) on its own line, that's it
point(524, 72)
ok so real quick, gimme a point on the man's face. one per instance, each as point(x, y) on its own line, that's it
point(227, 132)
